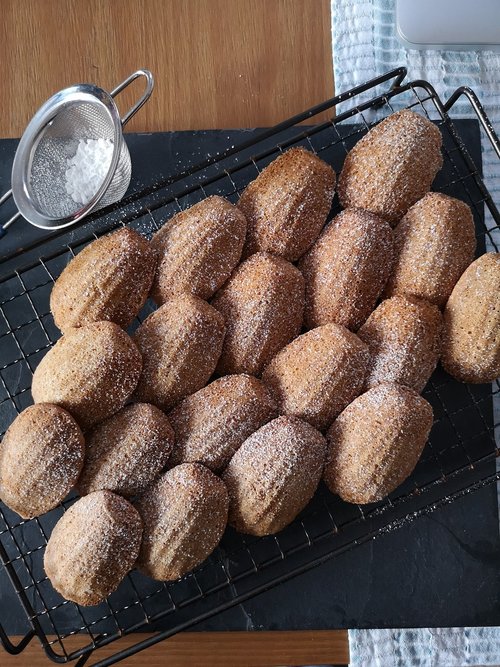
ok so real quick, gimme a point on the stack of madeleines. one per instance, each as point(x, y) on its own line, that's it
point(282, 352)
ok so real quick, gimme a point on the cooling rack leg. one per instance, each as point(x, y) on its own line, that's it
point(11, 648)
point(400, 75)
point(83, 660)
point(465, 91)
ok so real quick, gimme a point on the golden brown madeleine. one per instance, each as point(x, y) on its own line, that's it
point(184, 515)
point(346, 269)
point(91, 371)
point(109, 279)
point(376, 442)
point(263, 306)
point(211, 424)
point(92, 547)
point(392, 166)
point(127, 451)
point(404, 339)
point(198, 248)
point(434, 243)
point(273, 475)
point(180, 345)
point(318, 374)
point(41, 456)
point(471, 341)
point(287, 204)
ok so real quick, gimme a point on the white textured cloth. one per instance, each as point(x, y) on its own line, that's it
point(365, 45)
point(425, 647)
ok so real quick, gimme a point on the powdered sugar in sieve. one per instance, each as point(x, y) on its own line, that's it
point(88, 168)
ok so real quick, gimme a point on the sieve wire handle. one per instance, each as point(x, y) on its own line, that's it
point(6, 225)
point(143, 99)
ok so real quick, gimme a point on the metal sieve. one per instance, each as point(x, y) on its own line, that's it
point(78, 113)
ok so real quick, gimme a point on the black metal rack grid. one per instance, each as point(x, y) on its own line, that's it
point(459, 457)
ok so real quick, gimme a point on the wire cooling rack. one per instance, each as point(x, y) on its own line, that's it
point(459, 457)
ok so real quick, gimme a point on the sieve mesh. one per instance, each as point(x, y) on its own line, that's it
point(58, 143)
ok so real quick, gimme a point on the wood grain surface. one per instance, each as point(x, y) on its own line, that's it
point(217, 63)
point(215, 649)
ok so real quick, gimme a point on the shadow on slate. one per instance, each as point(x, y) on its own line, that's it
point(441, 570)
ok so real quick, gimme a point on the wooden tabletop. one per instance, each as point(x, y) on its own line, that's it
point(214, 649)
point(217, 64)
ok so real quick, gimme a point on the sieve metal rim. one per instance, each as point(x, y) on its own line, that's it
point(21, 167)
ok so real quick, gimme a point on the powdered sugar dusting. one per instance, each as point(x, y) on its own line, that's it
point(88, 168)
point(404, 338)
point(471, 345)
point(262, 305)
point(347, 268)
point(184, 515)
point(180, 345)
point(198, 249)
point(318, 374)
point(108, 280)
point(91, 372)
point(127, 451)
point(434, 244)
point(287, 204)
point(92, 547)
point(211, 424)
point(273, 475)
point(376, 442)
point(40, 459)
point(392, 166)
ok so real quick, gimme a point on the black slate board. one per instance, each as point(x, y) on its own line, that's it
point(441, 570)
